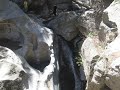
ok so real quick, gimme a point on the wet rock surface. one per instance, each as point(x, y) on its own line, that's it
point(59, 44)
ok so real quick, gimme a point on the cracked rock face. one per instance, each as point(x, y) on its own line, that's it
point(104, 70)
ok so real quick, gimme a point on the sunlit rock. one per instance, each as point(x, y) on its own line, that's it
point(86, 22)
point(113, 77)
point(88, 51)
point(113, 13)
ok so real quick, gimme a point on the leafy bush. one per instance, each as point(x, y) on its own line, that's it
point(78, 59)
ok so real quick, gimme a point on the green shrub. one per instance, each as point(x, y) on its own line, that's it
point(78, 59)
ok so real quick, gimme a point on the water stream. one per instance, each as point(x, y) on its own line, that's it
point(69, 80)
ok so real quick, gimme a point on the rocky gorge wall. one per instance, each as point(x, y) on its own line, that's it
point(59, 45)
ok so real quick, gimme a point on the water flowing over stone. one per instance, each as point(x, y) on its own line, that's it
point(15, 69)
point(59, 44)
point(69, 79)
point(31, 41)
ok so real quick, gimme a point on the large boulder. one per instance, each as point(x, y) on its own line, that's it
point(113, 15)
point(104, 68)
point(69, 24)
point(33, 41)
point(86, 22)
point(65, 25)
point(109, 25)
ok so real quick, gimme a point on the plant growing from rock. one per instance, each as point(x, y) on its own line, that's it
point(78, 59)
point(92, 34)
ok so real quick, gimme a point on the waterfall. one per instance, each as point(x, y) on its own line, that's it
point(69, 80)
